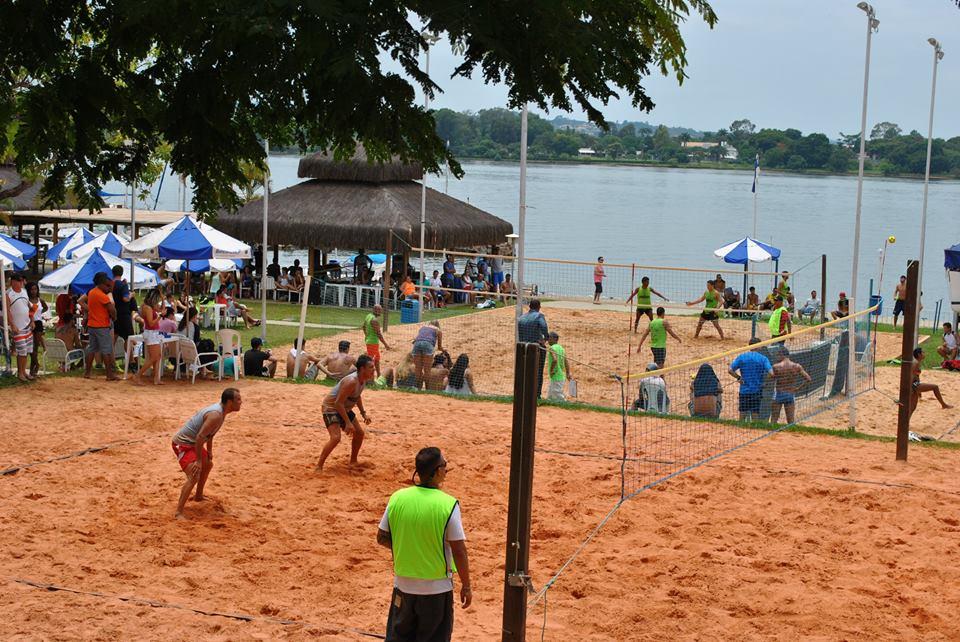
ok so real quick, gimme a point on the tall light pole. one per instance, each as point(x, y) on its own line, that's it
point(263, 247)
point(431, 39)
point(523, 214)
point(872, 24)
point(937, 57)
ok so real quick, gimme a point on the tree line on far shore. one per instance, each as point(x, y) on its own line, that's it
point(495, 134)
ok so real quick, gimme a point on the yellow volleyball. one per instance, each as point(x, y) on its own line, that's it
point(891, 239)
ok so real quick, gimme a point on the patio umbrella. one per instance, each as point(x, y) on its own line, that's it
point(108, 242)
point(746, 250)
point(77, 277)
point(186, 239)
point(204, 265)
point(13, 260)
point(74, 239)
point(15, 248)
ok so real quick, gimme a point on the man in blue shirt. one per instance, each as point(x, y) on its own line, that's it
point(753, 368)
point(532, 328)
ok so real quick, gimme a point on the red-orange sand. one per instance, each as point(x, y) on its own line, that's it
point(792, 537)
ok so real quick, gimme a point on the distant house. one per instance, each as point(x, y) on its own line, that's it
point(586, 151)
point(729, 151)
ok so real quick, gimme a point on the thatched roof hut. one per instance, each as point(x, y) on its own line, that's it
point(23, 194)
point(357, 203)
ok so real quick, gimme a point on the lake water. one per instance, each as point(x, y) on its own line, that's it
point(679, 217)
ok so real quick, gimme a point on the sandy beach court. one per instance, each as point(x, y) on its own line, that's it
point(752, 545)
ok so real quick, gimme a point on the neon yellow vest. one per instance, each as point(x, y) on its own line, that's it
point(370, 337)
point(418, 518)
point(658, 334)
point(558, 367)
point(643, 298)
point(774, 322)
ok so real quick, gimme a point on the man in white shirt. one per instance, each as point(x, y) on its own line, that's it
point(421, 608)
point(950, 347)
point(20, 320)
point(810, 308)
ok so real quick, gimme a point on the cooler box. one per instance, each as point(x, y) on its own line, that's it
point(409, 311)
point(876, 299)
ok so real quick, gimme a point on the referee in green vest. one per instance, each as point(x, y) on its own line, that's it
point(423, 529)
point(779, 322)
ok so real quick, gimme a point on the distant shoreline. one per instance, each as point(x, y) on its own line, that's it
point(698, 166)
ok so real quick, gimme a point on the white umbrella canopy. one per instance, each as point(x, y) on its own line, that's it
point(108, 242)
point(187, 239)
point(77, 277)
point(203, 265)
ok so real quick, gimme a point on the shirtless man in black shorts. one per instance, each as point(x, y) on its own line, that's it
point(337, 408)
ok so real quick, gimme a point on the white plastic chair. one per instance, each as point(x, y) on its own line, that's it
point(653, 397)
point(230, 342)
point(130, 354)
point(191, 359)
point(57, 351)
point(119, 349)
point(271, 286)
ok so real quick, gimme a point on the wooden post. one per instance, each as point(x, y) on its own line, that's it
point(36, 248)
point(516, 569)
point(906, 361)
point(386, 282)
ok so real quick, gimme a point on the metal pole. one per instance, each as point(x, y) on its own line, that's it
point(520, 242)
point(906, 360)
point(872, 24)
point(263, 251)
point(3, 294)
point(303, 322)
point(937, 55)
point(516, 569)
point(133, 226)
point(423, 194)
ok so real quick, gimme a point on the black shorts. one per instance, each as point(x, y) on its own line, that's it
point(420, 618)
point(331, 418)
point(38, 327)
point(598, 288)
point(659, 355)
point(646, 311)
point(898, 306)
point(750, 401)
point(709, 315)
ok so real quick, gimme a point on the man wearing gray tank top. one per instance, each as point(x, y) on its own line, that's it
point(193, 445)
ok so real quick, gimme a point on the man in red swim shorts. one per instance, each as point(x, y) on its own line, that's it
point(193, 445)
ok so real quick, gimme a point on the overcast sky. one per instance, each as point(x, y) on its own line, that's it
point(787, 64)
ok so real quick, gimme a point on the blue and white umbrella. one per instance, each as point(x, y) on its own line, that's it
point(72, 240)
point(108, 242)
point(16, 251)
point(204, 265)
point(13, 260)
point(77, 277)
point(186, 239)
point(747, 249)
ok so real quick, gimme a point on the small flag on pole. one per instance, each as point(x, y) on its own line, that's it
point(756, 173)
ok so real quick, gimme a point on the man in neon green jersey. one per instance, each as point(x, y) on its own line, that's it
point(712, 299)
point(657, 331)
point(373, 337)
point(779, 322)
point(423, 529)
point(558, 367)
point(644, 305)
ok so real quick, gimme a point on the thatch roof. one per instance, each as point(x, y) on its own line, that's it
point(28, 199)
point(322, 166)
point(344, 214)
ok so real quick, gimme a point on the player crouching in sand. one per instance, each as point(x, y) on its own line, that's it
point(338, 412)
point(193, 444)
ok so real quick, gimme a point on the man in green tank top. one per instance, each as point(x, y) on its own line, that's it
point(657, 331)
point(711, 298)
point(373, 337)
point(558, 368)
point(423, 529)
point(644, 304)
point(779, 322)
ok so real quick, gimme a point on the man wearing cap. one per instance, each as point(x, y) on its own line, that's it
point(258, 362)
point(20, 319)
point(423, 529)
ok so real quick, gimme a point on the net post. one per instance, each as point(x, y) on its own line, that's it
point(823, 291)
point(516, 571)
point(906, 361)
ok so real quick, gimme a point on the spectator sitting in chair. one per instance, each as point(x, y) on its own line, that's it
point(843, 307)
point(439, 296)
point(407, 289)
point(168, 323)
point(731, 298)
point(771, 301)
point(257, 362)
point(234, 309)
point(949, 348)
point(810, 308)
point(753, 300)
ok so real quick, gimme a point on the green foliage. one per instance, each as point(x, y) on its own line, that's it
point(97, 87)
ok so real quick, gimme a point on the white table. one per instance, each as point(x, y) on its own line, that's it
point(135, 339)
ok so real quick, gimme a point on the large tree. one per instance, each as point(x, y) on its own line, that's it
point(96, 86)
